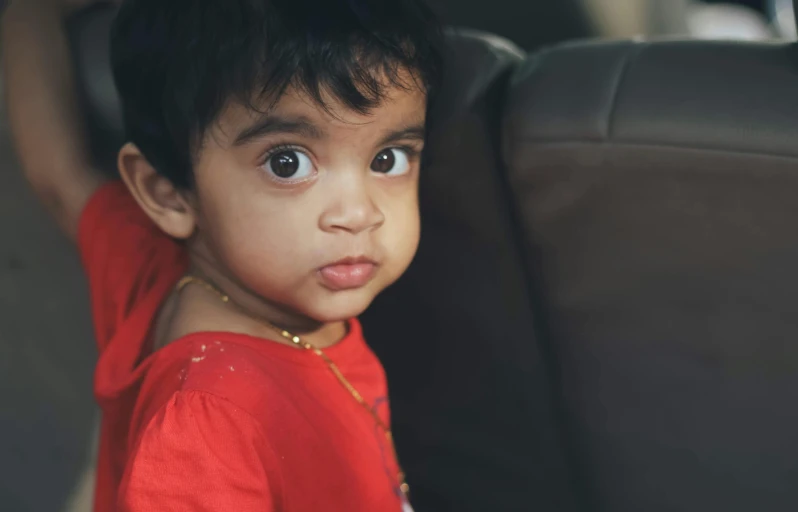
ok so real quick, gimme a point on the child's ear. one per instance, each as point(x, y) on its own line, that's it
point(167, 206)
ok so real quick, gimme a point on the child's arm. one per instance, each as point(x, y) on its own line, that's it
point(43, 108)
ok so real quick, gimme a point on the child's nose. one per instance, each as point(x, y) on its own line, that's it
point(354, 211)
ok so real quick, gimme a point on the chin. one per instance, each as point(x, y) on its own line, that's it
point(343, 305)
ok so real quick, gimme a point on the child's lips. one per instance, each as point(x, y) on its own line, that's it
point(348, 274)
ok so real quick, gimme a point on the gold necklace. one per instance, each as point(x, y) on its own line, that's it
point(296, 340)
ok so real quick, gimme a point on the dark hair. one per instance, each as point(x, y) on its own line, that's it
point(177, 63)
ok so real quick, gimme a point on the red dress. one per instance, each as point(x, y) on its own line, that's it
point(216, 420)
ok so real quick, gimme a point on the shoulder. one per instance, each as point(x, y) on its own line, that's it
point(222, 368)
point(204, 392)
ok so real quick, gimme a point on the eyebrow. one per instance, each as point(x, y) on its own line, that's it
point(417, 132)
point(272, 124)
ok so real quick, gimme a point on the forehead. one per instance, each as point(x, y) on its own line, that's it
point(401, 106)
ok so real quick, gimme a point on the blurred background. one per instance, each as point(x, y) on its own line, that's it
point(47, 414)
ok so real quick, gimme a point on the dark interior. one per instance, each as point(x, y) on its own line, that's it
point(602, 312)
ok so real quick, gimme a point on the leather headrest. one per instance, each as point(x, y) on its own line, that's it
point(707, 96)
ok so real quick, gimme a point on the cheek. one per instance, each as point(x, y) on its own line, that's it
point(402, 232)
point(259, 241)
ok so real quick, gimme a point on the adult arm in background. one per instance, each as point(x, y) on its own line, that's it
point(43, 107)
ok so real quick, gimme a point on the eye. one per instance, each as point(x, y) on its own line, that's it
point(392, 161)
point(289, 164)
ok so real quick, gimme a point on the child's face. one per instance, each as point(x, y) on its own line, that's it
point(313, 212)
